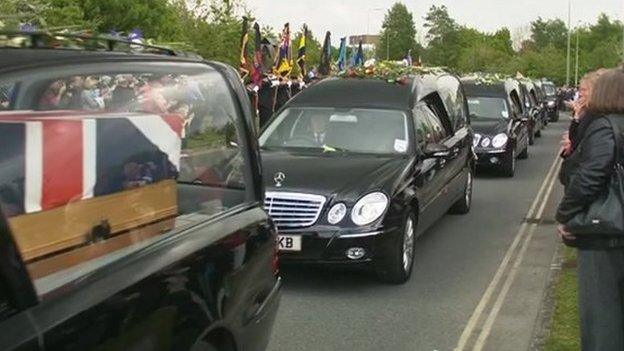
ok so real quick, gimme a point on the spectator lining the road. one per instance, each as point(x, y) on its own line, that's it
point(600, 257)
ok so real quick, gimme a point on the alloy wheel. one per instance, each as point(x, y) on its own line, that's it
point(408, 244)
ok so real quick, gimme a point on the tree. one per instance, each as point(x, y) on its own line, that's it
point(398, 35)
point(442, 37)
point(549, 32)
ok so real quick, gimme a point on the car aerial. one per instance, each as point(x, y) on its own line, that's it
point(357, 169)
point(532, 109)
point(552, 107)
point(131, 201)
point(501, 129)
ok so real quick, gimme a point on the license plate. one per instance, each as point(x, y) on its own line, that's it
point(289, 242)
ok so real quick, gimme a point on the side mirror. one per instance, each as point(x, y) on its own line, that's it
point(436, 150)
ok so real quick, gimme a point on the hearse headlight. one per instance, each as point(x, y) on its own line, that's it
point(336, 213)
point(486, 142)
point(476, 140)
point(369, 208)
point(500, 140)
point(551, 104)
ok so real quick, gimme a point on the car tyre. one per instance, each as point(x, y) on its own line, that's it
point(397, 267)
point(462, 206)
point(538, 134)
point(524, 154)
point(531, 137)
point(509, 167)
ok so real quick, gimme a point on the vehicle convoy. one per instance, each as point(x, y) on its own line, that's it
point(551, 105)
point(357, 169)
point(497, 117)
point(131, 201)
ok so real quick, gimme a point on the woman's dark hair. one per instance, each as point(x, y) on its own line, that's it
point(608, 93)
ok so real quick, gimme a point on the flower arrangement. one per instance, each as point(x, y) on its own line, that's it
point(390, 71)
point(488, 78)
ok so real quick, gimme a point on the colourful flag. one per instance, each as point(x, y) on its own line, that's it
point(342, 57)
point(408, 58)
point(283, 63)
point(325, 64)
point(244, 63)
point(256, 75)
point(359, 56)
point(301, 54)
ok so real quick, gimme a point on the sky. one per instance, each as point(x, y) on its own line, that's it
point(349, 17)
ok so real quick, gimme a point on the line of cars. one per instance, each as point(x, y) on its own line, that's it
point(357, 169)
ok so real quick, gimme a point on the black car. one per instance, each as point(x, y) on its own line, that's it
point(501, 129)
point(542, 101)
point(552, 107)
point(131, 202)
point(357, 169)
point(532, 108)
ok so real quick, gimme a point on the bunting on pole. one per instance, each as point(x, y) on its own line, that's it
point(244, 68)
point(342, 57)
point(301, 54)
point(283, 63)
point(325, 64)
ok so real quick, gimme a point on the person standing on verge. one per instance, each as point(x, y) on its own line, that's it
point(600, 257)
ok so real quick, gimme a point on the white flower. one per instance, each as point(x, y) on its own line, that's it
point(370, 63)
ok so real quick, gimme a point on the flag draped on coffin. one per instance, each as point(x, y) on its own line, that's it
point(342, 57)
point(283, 64)
point(325, 64)
point(358, 59)
point(301, 54)
point(64, 157)
point(244, 63)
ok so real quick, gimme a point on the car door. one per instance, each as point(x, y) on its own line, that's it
point(519, 126)
point(433, 169)
point(156, 238)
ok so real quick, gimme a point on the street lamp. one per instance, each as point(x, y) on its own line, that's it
point(569, 41)
point(576, 72)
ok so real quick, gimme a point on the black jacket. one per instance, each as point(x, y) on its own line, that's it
point(576, 132)
point(589, 169)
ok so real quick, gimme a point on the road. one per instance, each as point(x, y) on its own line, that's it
point(465, 273)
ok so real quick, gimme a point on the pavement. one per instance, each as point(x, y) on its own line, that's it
point(478, 283)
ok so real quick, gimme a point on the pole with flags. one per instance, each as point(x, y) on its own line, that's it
point(244, 68)
point(325, 64)
point(283, 63)
point(358, 60)
point(408, 58)
point(301, 53)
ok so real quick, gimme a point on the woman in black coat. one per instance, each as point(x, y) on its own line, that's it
point(600, 257)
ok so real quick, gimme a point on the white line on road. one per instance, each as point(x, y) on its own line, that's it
point(487, 295)
point(487, 326)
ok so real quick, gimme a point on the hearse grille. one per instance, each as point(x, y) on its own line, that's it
point(293, 210)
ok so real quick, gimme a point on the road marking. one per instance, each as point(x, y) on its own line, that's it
point(487, 295)
point(487, 326)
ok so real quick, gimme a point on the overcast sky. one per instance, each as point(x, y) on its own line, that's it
point(347, 17)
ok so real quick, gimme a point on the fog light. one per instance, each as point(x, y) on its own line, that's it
point(493, 160)
point(355, 253)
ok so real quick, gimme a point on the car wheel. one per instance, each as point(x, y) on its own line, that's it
point(509, 167)
point(397, 268)
point(462, 206)
point(531, 137)
point(538, 133)
point(524, 154)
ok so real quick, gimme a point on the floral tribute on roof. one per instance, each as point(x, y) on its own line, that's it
point(390, 71)
point(488, 78)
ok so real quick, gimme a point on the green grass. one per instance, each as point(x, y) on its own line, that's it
point(565, 331)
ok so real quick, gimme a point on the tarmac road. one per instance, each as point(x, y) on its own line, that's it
point(478, 279)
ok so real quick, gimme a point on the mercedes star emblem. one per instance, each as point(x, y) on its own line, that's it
point(279, 178)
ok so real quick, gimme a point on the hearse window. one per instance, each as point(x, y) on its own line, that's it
point(106, 160)
point(453, 98)
point(430, 124)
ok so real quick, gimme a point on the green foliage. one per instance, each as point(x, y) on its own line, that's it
point(399, 31)
point(549, 32)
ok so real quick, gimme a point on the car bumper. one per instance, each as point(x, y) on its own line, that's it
point(491, 158)
point(331, 247)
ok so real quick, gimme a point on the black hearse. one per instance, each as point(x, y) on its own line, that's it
point(132, 201)
point(357, 169)
point(497, 117)
point(552, 108)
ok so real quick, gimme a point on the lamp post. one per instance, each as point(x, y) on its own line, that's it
point(569, 42)
point(576, 70)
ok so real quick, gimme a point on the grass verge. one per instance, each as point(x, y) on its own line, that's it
point(565, 330)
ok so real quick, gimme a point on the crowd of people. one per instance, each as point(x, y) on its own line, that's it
point(590, 170)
